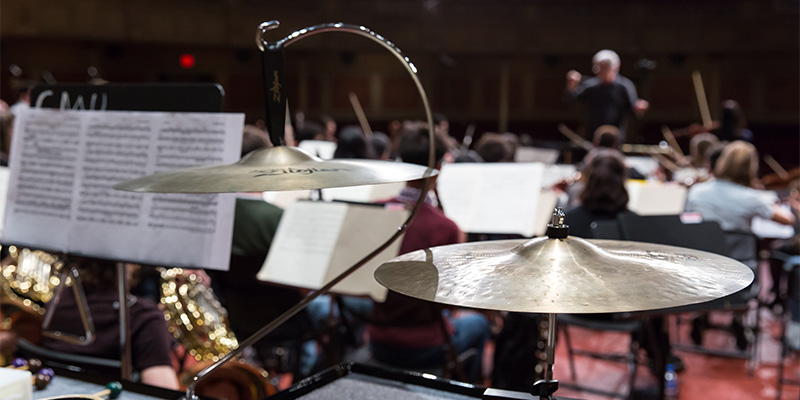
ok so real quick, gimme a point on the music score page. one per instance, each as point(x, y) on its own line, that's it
point(317, 240)
point(64, 164)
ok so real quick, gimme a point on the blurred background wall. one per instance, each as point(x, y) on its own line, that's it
point(499, 64)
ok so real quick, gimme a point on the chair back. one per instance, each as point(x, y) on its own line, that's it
point(671, 230)
point(606, 229)
point(703, 235)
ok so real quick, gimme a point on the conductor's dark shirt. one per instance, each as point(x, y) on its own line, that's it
point(605, 104)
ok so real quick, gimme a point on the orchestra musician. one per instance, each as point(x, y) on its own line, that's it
point(731, 200)
point(410, 333)
point(150, 340)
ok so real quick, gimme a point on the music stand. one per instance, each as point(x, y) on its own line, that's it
point(168, 97)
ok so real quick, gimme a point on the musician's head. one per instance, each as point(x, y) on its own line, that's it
point(738, 163)
point(605, 65)
point(492, 147)
point(606, 136)
point(414, 146)
point(604, 182)
point(732, 121)
point(700, 147)
point(441, 123)
point(381, 145)
point(310, 130)
point(352, 143)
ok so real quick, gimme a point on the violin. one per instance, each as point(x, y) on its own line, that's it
point(777, 180)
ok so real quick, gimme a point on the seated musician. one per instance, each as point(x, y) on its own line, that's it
point(603, 198)
point(603, 195)
point(408, 332)
point(730, 200)
point(151, 342)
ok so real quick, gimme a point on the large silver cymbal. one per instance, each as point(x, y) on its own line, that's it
point(276, 169)
point(569, 275)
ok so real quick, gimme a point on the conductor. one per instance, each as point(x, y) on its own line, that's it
point(608, 96)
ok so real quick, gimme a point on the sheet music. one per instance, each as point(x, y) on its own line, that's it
point(536, 154)
point(316, 241)
point(320, 148)
point(655, 198)
point(647, 166)
point(556, 173)
point(492, 197)
point(544, 213)
point(5, 175)
point(359, 194)
point(285, 198)
point(765, 228)
point(63, 167)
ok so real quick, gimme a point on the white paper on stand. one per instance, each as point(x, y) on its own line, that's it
point(765, 228)
point(536, 154)
point(5, 175)
point(285, 198)
point(544, 213)
point(646, 166)
point(655, 198)
point(358, 194)
point(63, 167)
point(492, 197)
point(316, 241)
point(320, 148)
point(556, 173)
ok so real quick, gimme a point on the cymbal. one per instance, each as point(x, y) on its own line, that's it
point(570, 275)
point(277, 169)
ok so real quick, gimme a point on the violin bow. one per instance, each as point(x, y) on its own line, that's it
point(702, 101)
point(575, 138)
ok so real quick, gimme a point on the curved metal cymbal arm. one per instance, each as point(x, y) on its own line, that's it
point(267, 46)
point(275, 51)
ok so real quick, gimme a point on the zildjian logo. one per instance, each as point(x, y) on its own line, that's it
point(290, 171)
point(276, 88)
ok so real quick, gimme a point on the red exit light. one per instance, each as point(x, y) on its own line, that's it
point(186, 61)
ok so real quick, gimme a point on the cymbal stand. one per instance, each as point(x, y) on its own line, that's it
point(544, 388)
point(273, 61)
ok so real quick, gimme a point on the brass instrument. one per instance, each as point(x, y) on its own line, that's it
point(195, 316)
point(33, 279)
point(199, 322)
point(30, 281)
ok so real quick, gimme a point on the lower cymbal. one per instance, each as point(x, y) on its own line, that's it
point(569, 275)
point(276, 169)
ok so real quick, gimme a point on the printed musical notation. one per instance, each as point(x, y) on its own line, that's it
point(326, 238)
point(494, 197)
point(65, 163)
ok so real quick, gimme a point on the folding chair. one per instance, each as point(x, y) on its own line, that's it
point(706, 236)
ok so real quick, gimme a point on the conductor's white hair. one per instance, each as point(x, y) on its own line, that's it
point(609, 56)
